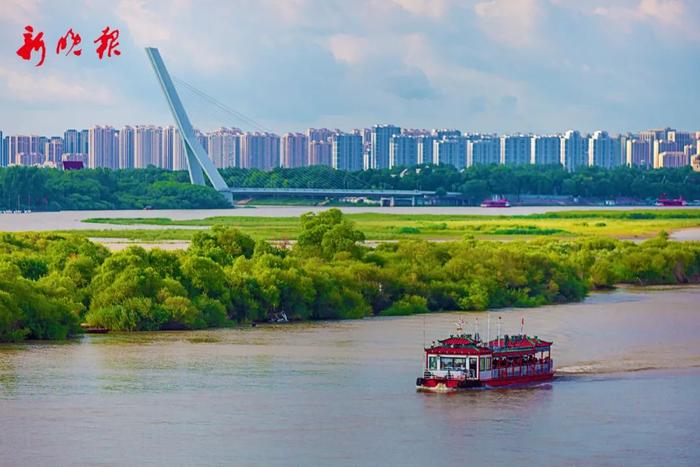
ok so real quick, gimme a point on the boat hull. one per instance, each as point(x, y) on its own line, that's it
point(452, 385)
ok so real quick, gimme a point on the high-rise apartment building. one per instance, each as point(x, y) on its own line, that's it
point(147, 146)
point(516, 149)
point(484, 151)
point(403, 150)
point(574, 150)
point(71, 141)
point(450, 151)
point(103, 147)
point(126, 147)
point(602, 150)
point(639, 153)
point(381, 141)
point(38, 144)
point(673, 159)
point(347, 152)
point(662, 145)
point(260, 151)
point(294, 150)
point(681, 138)
point(171, 135)
point(425, 149)
point(546, 150)
point(167, 154)
point(655, 134)
point(447, 133)
point(202, 139)
point(321, 153)
point(53, 151)
point(84, 142)
point(224, 147)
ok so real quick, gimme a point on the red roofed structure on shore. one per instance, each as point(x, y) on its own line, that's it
point(73, 165)
point(465, 361)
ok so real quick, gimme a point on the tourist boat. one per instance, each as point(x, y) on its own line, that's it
point(464, 361)
point(87, 329)
point(663, 201)
point(495, 203)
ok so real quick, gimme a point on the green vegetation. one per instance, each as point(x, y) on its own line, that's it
point(479, 182)
point(51, 282)
point(50, 189)
point(563, 224)
point(53, 190)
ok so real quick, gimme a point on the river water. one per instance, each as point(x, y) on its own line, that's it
point(342, 393)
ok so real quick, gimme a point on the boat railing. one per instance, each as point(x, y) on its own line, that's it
point(456, 375)
point(522, 370)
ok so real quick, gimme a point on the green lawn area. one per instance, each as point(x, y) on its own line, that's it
point(376, 226)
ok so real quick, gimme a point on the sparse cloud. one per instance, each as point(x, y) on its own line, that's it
point(147, 26)
point(511, 22)
point(20, 12)
point(349, 49)
point(51, 87)
point(487, 65)
point(669, 18)
point(429, 8)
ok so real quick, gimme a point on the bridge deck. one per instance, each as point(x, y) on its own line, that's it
point(333, 192)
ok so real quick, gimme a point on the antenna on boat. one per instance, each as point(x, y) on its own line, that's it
point(498, 334)
point(488, 329)
point(522, 325)
point(476, 330)
point(460, 326)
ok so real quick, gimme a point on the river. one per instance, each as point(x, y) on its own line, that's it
point(73, 220)
point(342, 393)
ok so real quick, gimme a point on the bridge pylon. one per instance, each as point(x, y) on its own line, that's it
point(198, 162)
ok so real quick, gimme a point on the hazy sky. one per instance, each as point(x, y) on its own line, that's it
point(476, 65)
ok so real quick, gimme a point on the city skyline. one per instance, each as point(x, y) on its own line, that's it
point(381, 146)
point(485, 65)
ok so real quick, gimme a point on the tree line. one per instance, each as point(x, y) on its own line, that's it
point(481, 181)
point(50, 283)
point(50, 189)
point(41, 189)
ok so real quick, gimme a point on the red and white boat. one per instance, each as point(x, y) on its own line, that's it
point(464, 361)
point(495, 203)
point(663, 201)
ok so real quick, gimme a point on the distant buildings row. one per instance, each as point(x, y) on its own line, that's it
point(382, 146)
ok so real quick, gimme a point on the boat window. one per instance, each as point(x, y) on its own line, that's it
point(453, 363)
point(485, 363)
point(432, 363)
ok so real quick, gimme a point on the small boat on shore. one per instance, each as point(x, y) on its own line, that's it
point(495, 203)
point(87, 329)
point(464, 361)
point(663, 201)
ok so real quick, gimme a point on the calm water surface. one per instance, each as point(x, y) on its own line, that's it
point(342, 393)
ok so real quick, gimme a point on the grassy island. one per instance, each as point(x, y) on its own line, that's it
point(52, 282)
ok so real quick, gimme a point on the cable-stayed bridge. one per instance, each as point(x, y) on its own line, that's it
point(200, 165)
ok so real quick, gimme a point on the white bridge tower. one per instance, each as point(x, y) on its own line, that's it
point(198, 162)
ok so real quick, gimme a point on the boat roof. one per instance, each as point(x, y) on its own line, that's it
point(519, 343)
point(467, 345)
point(463, 344)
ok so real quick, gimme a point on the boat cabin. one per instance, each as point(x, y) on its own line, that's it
point(466, 361)
point(457, 357)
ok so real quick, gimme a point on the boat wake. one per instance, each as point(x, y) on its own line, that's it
point(601, 369)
